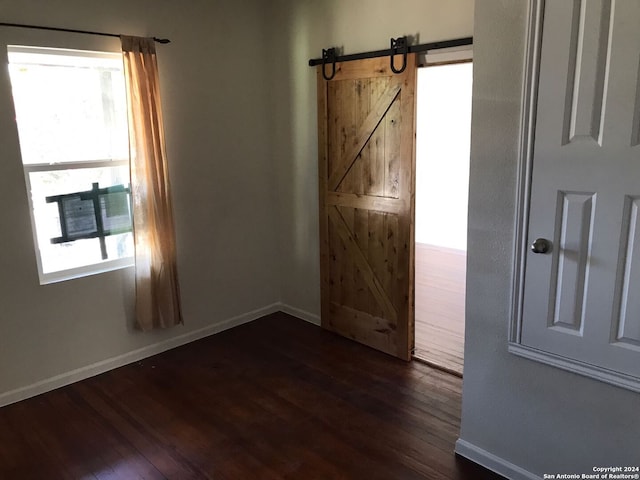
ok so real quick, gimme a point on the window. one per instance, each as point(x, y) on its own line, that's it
point(72, 125)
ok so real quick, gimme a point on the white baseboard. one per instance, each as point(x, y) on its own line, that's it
point(492, 462)
point(301, 314)
point(137, 355)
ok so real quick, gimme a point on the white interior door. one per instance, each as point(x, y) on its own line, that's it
point(582, 297)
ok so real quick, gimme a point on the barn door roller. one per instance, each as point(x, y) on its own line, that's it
point(398, 45)
point(328, 56)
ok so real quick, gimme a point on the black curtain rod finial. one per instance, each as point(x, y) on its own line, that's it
point(161, 40)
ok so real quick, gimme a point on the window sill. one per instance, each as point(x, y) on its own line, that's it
point(88, 270)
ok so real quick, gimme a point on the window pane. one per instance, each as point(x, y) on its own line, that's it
point(69, 111)
point(62, 256)
point(120, 246)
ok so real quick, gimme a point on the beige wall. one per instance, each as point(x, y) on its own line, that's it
point(218, 137)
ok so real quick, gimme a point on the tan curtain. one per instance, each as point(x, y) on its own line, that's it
point(157, 290)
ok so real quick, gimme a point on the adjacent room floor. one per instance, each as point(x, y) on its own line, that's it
point(276, 398)
point(440, 299)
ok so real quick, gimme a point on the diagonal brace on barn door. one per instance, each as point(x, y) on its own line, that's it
point(362, 263)
point(366, 130)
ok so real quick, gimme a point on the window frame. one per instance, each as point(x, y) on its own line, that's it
point(28, 168)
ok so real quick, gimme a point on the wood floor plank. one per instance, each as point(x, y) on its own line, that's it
point(274, 399)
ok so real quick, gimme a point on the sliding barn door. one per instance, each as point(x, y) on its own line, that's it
point(366, 120)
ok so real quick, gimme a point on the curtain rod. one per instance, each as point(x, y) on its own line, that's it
point(70, 30)
point(458, 42)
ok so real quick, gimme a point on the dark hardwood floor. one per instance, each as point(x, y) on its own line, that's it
point(274, 399)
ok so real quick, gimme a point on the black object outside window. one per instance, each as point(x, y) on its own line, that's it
point(95, 213)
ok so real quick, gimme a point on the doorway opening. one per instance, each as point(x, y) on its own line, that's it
point(443, 134)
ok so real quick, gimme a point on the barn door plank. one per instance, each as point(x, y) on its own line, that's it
point(366, 131)
point(357, 142)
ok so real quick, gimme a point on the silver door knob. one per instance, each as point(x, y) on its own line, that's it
point(541, 245)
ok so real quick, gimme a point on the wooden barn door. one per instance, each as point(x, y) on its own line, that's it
point(366, 124)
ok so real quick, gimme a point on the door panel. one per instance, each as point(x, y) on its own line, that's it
point(366, 120)
point(580, 299)
point(626, 316)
